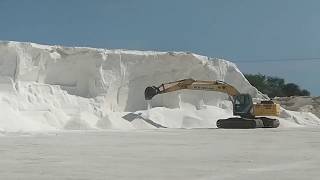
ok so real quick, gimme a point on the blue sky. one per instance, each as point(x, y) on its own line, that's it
point(262, 31)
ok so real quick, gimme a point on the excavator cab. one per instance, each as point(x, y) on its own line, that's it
point(242, 105)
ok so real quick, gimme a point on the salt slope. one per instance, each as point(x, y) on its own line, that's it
point(53, 87)
point(302, 103)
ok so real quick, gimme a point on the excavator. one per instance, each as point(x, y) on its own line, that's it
point(247, 115)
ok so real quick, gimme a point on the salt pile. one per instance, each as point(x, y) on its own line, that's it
point(61, 88)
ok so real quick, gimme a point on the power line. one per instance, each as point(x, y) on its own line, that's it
point(315, 59)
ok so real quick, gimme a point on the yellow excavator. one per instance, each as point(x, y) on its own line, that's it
point(247, 114)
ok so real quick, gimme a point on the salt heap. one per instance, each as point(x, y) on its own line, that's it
point(56, 88)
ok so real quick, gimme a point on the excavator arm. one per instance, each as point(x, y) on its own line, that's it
point(190, 84)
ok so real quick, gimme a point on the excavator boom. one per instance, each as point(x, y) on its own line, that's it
point(191, 84)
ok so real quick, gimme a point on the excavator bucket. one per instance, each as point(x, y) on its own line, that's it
point(150, 92)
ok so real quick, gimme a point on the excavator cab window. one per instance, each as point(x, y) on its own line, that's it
point(239, 101)
point(242, 104)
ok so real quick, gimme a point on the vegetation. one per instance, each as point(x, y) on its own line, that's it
point(274, 86)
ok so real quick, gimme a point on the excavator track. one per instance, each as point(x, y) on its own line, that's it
point(244, 123)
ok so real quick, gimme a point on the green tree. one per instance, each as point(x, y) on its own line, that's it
point(257, 80)
point(274, 86)
point(305, 92)
point(291, 89)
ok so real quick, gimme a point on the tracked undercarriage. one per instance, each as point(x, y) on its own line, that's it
point(244, 123)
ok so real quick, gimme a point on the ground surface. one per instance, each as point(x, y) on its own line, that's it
point(163, 154)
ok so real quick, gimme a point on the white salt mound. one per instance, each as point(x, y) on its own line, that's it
point(62, 88)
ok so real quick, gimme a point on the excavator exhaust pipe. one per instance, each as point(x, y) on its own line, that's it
point(150, 92)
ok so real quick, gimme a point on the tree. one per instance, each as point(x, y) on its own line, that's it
point(257, 80)
point(291, 89)
point(305, 93)
point(274, 86)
